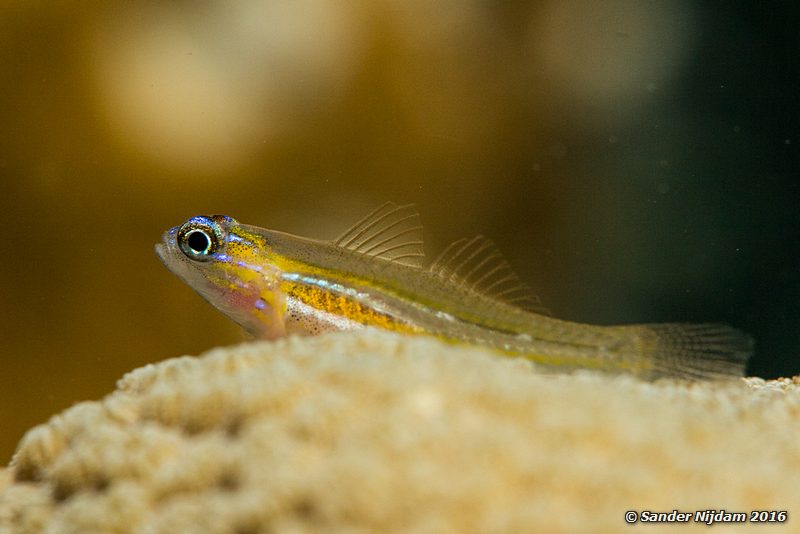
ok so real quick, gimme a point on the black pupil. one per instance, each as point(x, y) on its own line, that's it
point(198, 242)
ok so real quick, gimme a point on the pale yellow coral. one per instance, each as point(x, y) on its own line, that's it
point(373, 432)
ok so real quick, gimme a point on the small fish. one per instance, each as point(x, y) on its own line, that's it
point(275, 284)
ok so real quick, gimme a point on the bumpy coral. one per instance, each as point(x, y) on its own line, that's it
point(372, 432)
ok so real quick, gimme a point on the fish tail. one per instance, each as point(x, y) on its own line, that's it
point(688, 351)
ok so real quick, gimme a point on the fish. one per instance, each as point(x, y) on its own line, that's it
point(276, 284)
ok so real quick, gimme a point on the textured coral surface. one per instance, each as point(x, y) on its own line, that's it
point(372, 432)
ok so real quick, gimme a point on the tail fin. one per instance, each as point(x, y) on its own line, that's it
point(693, 351)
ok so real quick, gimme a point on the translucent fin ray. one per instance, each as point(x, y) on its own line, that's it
point(696, 351)
point(477, 265)
point(390, 232)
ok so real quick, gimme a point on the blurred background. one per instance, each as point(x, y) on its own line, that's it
point(636, 161)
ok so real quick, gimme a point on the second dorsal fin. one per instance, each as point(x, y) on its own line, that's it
point(478, 265)
point(390, 232)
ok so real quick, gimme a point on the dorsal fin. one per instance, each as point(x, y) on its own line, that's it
point(390, 232)
point(477, 265)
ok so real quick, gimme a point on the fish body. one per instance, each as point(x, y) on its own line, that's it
point(276, 284)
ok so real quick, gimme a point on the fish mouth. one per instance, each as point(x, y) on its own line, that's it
point(161, 252)
point(167, 242)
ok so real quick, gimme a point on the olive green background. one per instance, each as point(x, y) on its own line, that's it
point(635, 161)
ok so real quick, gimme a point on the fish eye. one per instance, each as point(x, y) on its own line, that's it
point(199, 238)
point(198, 242)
